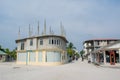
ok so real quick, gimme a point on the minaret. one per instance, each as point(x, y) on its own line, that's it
point(38, 28)
point(45, 27)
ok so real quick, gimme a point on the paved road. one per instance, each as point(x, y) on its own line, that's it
point(76, 70)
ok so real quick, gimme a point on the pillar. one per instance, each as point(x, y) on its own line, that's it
point(98, 57)
point(91, 57)
point(119, 55)
point(27, 58)
point(36, 56)
point(104, 57)
point(44, 56)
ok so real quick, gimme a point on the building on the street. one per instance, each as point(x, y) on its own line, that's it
point(3, 56)
point(44, 49)
point(95, 44)
point(109, 54)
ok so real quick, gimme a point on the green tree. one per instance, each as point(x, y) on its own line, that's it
point(71, 51)
point(14, 54)
point(77, 55)
point(2, 48)
point(11, 54)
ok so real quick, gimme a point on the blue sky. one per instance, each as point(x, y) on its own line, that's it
point(82, 19)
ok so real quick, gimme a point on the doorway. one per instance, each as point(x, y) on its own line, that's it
point(112, 57)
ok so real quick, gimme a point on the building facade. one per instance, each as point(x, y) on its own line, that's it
point(42, 50)
point(95, 44)
point(109, 54)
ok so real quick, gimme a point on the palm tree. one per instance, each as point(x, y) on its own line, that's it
point(8, 53)
point(13, 54)
point(70, 50)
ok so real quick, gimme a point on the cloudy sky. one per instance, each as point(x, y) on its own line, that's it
point(82, 19)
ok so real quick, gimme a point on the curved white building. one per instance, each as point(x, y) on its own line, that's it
point(42, 50)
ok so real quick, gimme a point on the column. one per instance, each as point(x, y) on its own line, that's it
point(91, 57)
point(104, 57)
point(36, 56)
point(27, 58)
point(98, 57)
point(119, 55)
point(44, 56)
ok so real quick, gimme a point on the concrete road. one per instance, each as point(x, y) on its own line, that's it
point(76, 70)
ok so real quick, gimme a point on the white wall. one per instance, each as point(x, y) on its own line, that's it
point(33, 47)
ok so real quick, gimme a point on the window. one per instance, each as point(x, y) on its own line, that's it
point(58, 42)
point(22, 45)
point(52, 41)
point(49, 41)
point(98, 43)
point(41, 41)
point(55, 41)
point(31, 42)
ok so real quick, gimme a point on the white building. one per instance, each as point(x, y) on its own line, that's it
point(42, 49)
point(95, 44)
point(109, 54)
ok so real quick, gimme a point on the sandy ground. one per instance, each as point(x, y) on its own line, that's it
point(76, 70)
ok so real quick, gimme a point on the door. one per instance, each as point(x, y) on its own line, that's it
point(112, 57)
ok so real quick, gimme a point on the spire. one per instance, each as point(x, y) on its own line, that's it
point(38, 28)
point(19, 33)
point(45, 27)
